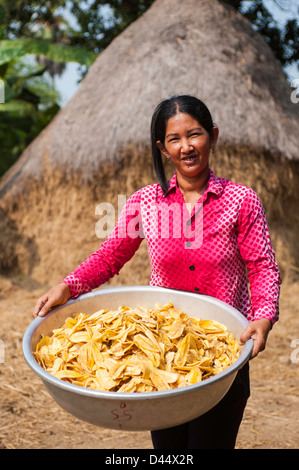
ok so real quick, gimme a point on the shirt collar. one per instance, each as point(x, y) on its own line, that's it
point(214, 185)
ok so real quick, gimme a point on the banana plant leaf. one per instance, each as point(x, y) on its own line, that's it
point(14, 49)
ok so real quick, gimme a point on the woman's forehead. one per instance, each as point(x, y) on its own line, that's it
point(181, 121)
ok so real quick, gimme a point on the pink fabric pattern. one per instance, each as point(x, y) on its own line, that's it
point(207, 251)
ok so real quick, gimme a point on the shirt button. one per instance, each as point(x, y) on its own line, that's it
point(188, 244)
point(191, 268)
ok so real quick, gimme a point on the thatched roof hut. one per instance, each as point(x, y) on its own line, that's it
point(98, 146)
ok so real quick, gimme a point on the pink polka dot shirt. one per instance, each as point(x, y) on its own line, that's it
point(213, 249)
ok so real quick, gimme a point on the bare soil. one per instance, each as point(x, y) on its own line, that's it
point(30, 419)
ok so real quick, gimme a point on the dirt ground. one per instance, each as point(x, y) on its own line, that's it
point(30, 419)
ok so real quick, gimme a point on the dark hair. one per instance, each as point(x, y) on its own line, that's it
point(163, 112)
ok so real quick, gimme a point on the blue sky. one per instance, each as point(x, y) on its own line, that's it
point(67, 84)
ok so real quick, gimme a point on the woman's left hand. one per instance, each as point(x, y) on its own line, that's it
point(258, 330)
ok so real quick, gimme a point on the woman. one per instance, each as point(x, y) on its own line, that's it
point(213, 233)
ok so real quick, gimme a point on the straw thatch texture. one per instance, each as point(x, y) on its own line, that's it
point(98, 145)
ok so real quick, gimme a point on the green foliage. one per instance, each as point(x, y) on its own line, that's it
point(12, 49)
point(283, 40)
point(30, 104)
point(30, 100)
point(101, 20)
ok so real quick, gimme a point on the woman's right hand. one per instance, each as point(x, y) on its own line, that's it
point(58, 295)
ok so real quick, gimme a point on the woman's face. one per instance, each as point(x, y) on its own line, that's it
point(188, 145)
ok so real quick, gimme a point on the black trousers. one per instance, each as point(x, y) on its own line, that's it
point(216, 429)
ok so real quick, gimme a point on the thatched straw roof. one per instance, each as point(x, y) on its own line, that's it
point(200, 47)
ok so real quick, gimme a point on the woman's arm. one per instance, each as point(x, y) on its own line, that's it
point(263, 273)
point(103, 264)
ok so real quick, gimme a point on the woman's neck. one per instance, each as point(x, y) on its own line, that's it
point(196, 185)
point(193, 189)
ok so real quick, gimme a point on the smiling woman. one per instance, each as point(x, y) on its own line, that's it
point(183, 131)
point(188, 144)
point(234, 240)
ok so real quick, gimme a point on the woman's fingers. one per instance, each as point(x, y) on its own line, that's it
point(258, 330)
point(56, 296)
point(45, 307)
point(39, 305)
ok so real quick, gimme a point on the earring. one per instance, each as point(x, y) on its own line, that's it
point(168, 160)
